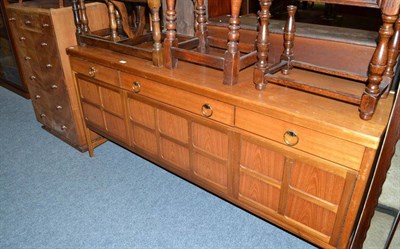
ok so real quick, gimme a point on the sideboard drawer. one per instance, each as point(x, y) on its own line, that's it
point(311, 141)
point(95, 71)
point(206, 107)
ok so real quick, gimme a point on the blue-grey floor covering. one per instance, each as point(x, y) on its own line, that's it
point(52, 196)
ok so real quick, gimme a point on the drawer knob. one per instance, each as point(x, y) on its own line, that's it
point(63, 127)
point(290, 138)
point(37, 96)
point(45, 25)
point(92, 72)
point(42, 115)
point(136, 86)
point(27, 58)
point(22, 38)
point(54, 86)
point(58, 107)
point(49, 65)
point(207, 110)
point(27, 22)
point(43, 44)
point(33, 77)
point(12, 19)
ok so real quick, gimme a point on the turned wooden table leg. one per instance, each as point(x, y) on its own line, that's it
point(262, 45)
point(376, 69)
point(170, 38)
point(78, 29)
point(201, 27)
point(232, 55)
point(83, 17)
point(393, 53)
point(113, 22)
point(288, 38)
point(154, 6)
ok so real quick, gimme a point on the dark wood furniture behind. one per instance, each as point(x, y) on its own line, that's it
point(221, 53)
point(10, 76)
point(41, 31)
point(328, 81)
point(121, 35)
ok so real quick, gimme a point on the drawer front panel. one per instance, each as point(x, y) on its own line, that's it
point(313, 142)
point(95, 71)
point(191, 102)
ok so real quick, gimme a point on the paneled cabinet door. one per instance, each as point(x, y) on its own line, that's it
point(305, 191)
point(103, 108)
point(192, 146)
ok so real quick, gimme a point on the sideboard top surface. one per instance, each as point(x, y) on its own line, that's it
point(308, 110)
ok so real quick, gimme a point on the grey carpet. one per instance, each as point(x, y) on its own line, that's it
point(52, 196)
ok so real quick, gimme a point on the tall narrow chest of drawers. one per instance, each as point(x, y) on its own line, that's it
point(41, 33)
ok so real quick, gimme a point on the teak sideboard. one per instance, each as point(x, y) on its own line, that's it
point(298, 160)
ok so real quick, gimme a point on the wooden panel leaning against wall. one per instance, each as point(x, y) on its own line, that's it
point(42, 31)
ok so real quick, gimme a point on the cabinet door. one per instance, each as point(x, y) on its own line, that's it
point(103, 108)
point(306, 192)
point(195, 147)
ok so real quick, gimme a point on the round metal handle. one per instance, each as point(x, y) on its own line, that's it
point(45, 25)
point(33, 77)
point(37, 96)
point(136, 86)
point(92, 72)
point(49, 65)
point(290, 138)
point(58, 107)
point(27, 58)
point(54, 86)
point(27, 22)
point(42, 115)
point(63, 127)
point(207, 110)
point(12, 19)
point(22, 38)
point(43, 44)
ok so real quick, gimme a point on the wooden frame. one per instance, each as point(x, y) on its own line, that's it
point(206, 50)
point(362, 90)
point(119, 37)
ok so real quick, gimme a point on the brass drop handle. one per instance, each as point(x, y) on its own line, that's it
point(37, 96)
point(49, 65)
point(54, 86)
point(136, 86)
point(207, 110)
point(63, 127)
point(45, 25)
point(43, 44)
point(42, 115)
point(58, 107)
point(92, 72)
point(22, 38)
point(27, 58)
point(33, 77)
point(291, 138)
point(12, 19)
point(27, 22)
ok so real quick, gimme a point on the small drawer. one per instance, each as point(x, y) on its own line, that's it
point(95, 71)
point(203, 106)
point(320, 144)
